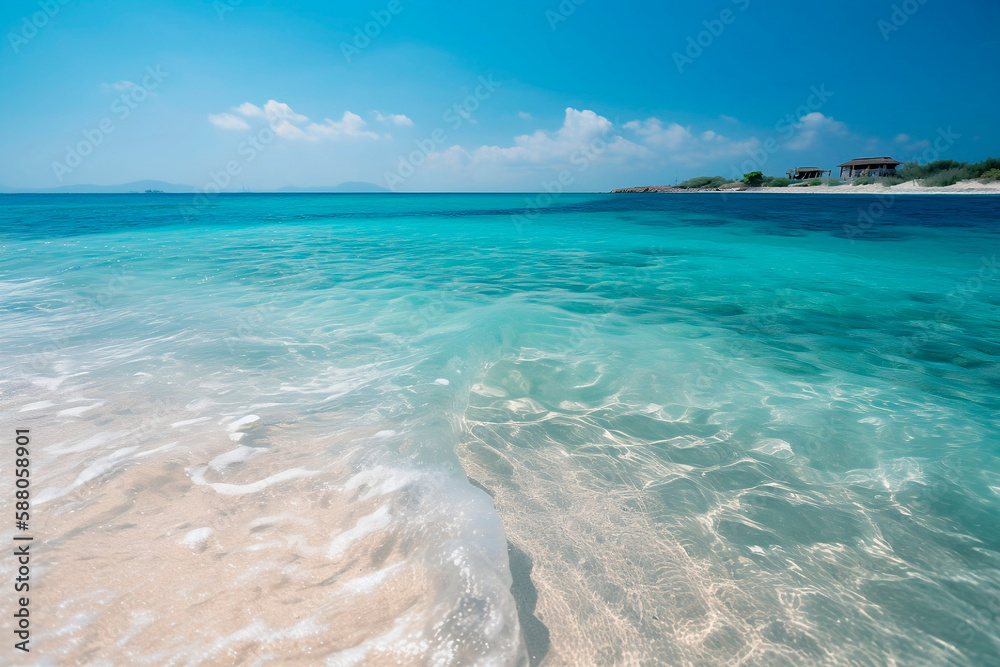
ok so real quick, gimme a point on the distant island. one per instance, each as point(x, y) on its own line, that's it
point(857, 176)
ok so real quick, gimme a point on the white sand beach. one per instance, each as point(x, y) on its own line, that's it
point(971, 187)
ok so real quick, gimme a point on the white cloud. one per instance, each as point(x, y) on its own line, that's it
point(288, 124)
point(351, 125)
point(909, 144)
point(584, 141)
point(128, 87)
point(676, 143)
point(524, 115)
point(812, 126)
point(249, 110)
point(276, 111)
point(228, 121)
point(581, 132)
point(286, 130)
point(118, 86)
point(652, 132)
point(394, 118)
point(587, 137)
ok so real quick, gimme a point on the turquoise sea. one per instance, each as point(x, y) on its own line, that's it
point(505, 429)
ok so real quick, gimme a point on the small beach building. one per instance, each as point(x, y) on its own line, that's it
point(806, 173)
point(869, 166)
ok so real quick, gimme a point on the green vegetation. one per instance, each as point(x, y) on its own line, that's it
point(942, 173)
point(704, 182)
point(939, 173)
point(888, 181)
point(980, 169)
point(912, 171)
point(946, 177)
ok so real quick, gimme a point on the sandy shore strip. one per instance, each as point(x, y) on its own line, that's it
point(909, 188)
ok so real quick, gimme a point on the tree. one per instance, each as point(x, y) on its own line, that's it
point(754, 179)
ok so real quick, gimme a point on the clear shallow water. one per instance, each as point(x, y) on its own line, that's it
point(442, 429)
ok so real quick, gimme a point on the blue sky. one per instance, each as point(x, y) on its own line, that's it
point(513, 96)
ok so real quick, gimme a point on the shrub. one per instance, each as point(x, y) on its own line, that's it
point(914, 171)
point(834, 182)
point(941, 171)
point(946, 177)
point(911, 171)
point(864, 180)
point(777, 182)
point(991, 175)
point(943, 165)
point(695, 182)
point(754, 179)
point(704, 182)
point(981, 168)
point(889, 181)
point(814, 182)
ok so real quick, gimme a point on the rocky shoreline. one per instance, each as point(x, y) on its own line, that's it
point(671, 188)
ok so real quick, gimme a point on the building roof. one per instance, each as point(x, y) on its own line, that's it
point(870, 162)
